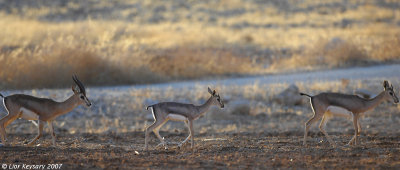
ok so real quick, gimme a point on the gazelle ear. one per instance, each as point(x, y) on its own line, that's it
point(209, 90)
point(385, 84)
point(74, 89)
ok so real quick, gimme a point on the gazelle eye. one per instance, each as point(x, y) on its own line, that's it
point(82, 97)
point(391, 93)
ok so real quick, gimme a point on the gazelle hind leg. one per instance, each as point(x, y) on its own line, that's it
point(149, 129)
point(3, 128)
point(146, 135)
point(317, 115)
point(4, 122)
point(322, 125)
point(155, 127)
point(156, 131)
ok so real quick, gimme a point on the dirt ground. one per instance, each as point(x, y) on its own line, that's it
point(252, 132)
point(219, 151)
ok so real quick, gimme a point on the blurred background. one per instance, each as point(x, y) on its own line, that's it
point(122, 49)
point(125, 42)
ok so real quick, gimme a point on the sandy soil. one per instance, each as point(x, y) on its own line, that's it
point(235, 150)
point(110, 134)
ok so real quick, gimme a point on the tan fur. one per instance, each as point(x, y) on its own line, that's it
point(326, 105)
point(41, 109)
point(162, 112)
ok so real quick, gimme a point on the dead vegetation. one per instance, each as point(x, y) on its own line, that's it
point(135, 42)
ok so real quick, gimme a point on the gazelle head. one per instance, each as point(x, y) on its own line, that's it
point(390, 91)
point(79, 90)
point(216, 98)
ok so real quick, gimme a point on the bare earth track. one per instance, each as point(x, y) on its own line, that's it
point(237, 150)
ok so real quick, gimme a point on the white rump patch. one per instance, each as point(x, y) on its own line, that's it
point(176, 117)
point(28, 115)
point(4, 104)
point(152, 112)
point(339, 112)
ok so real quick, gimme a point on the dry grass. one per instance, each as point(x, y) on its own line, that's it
point(141, 42)
point(122, 110)
point(195, 62)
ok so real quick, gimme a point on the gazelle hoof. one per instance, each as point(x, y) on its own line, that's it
point(180, 145)
point(163, 144)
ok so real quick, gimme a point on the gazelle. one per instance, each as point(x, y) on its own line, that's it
point(41, 109)
point(162, 112)
point(326, 105)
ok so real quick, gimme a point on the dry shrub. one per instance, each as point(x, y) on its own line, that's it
point(197, 62)
point(127, 42)
point(55, 69)
point(325, 54)
point(25, 67)
point(388, 49)
point(338, 52)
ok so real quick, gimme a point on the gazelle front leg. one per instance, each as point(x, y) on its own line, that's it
point(355, 124)
point(190, 134)
point(359, 127)
point(40, 130)
point(53, 135)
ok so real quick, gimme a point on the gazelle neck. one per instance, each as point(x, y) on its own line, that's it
point(67, 105)
point(372, 103)
point(204, 107)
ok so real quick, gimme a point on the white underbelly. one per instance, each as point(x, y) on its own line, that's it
point(176, 117)
point(28, 115)
point(339, 112)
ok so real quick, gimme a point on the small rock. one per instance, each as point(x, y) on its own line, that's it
point(289, 96)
